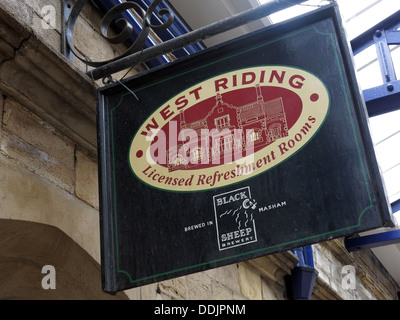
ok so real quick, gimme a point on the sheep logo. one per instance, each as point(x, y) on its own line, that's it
point(234, 218)
point(243, 215)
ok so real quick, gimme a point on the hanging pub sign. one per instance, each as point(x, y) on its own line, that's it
point(252, 147)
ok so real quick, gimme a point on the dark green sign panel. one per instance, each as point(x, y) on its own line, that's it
point(252, 147)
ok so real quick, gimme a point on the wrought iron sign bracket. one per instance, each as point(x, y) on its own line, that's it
point(135, 54)
point(106, 22)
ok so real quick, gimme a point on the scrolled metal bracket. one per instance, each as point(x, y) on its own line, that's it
point(135, 54)
point(165, 16)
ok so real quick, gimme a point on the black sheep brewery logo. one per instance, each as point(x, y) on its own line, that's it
point(234, 216)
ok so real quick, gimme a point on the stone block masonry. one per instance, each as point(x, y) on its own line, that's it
point(37, 145)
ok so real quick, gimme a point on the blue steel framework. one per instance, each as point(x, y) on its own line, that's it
point(384, 98)
point(379, 100)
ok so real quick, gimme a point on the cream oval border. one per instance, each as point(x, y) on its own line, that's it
point(312, 117)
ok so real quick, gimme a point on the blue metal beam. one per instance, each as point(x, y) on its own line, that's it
point(372, 241)
point(366, 39)
point(396, 206)
point(384, 56)
point(393, 37)
point(382, 99)
point(379, 100)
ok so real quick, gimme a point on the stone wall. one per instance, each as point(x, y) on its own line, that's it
point(259, 279)
point(34, 15)
point(371, 282)
point(48, 169)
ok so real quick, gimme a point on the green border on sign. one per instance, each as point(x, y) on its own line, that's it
point(354, 130)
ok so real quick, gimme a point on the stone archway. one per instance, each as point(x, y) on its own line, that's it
point(26, 247)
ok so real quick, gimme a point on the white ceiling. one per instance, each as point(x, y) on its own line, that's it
point(201, 13)
point(388, 255)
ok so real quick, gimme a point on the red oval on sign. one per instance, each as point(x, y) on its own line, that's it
point(228, 126)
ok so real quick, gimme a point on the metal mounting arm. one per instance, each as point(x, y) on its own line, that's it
point(134, 54)
point(126, 27)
